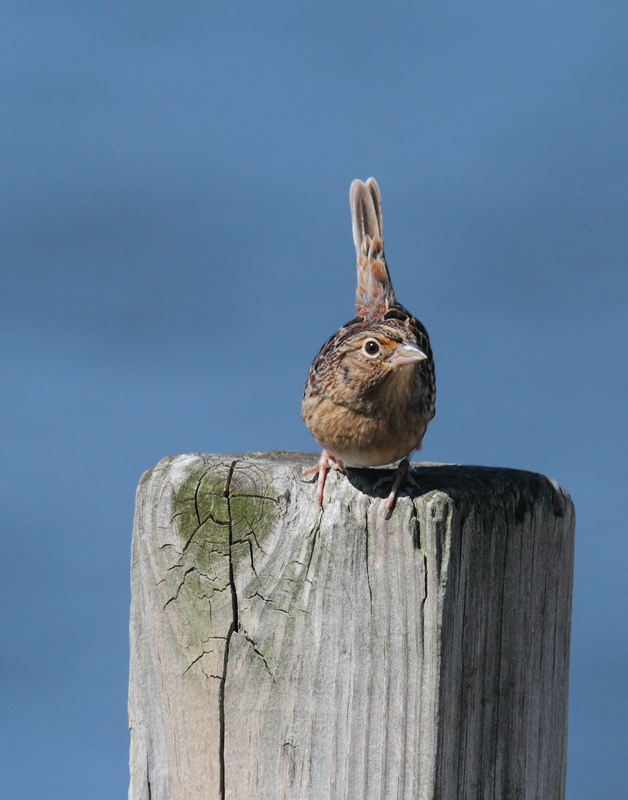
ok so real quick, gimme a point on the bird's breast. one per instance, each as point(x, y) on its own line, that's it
point(364, 440)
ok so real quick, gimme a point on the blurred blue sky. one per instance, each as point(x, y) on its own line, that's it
point(176, 245)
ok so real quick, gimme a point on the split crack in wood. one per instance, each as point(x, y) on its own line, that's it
point(235, 626)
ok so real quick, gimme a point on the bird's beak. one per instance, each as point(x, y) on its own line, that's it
point(407, 354)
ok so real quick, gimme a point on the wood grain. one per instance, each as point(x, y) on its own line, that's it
point(282, 653)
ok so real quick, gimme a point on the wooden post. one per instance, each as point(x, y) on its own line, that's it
point(279, 653)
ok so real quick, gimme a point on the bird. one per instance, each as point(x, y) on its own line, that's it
point(370, 392)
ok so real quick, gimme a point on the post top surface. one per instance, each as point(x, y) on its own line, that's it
point(462, 483)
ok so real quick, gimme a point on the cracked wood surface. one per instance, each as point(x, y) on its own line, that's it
point(279, 653)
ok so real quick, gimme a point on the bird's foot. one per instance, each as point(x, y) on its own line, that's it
point(401, 474)
point(325, 462)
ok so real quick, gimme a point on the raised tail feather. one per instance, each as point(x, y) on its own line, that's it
point(374, 295)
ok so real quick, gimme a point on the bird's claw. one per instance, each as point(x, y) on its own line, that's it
point(325, 462)
point(401, 474)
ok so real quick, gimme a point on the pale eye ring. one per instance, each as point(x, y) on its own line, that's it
point(371, 347)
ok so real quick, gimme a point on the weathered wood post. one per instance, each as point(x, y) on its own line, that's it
point(279, 653)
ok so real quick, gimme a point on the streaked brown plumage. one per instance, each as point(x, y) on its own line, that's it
point(370, 392)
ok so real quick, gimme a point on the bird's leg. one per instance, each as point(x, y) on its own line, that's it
point(402, 473)
point(325, 462)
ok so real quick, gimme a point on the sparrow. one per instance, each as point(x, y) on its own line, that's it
point(370, 391)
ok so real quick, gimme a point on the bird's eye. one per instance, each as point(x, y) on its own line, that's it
point(371, 348)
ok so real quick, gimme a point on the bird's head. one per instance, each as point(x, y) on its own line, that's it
point(367, 359)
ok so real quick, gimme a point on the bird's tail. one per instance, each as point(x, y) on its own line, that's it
point(374, 295)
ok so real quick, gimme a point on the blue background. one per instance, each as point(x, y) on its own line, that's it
point(176, 246)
